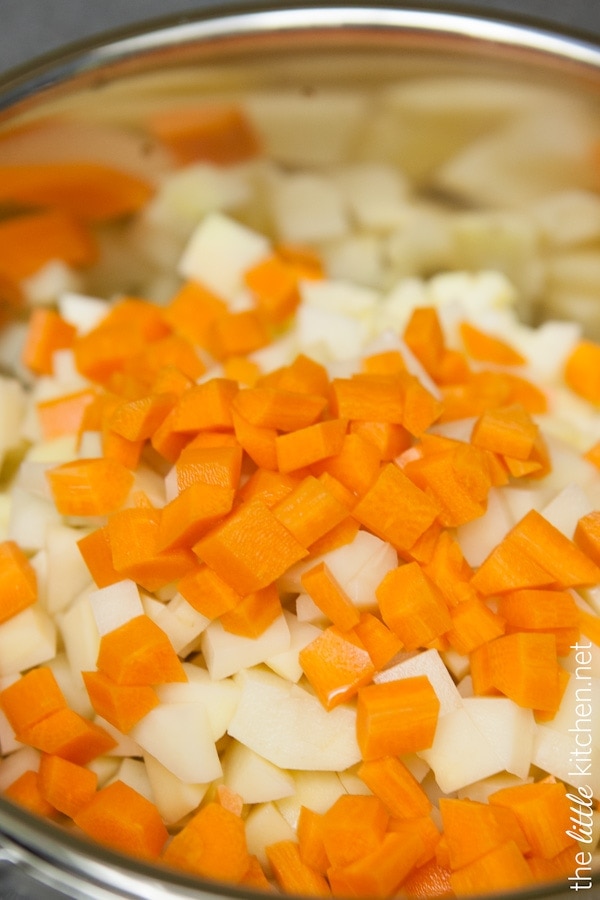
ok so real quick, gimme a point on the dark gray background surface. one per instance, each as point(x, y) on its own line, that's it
point(30, 28)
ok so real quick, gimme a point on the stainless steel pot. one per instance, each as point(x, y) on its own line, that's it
point(234, 47)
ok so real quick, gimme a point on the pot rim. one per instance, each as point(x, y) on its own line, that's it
point(62, 859)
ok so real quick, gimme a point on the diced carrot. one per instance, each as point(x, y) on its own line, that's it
point(368, 396)
point(381, 872)
point(257, 441)
point(504, 867)
point(336, 664)
point(137, 420)
point(412, 606)
point(588, 625)
point(486, 347)
point(395, 509)
point(380, 642)
point(390, 439)
point(473, 624)
point(330, 597)
point(236, 334)
point(250, 549)
point(421, 408)
point(134, 538)
point(305, 446)
point(219, 133)
point(538, 610)
point(255, 877)
point(522, 666)
point(18, 580)
point(472, 829)
point(192, 311)
point(543, 812)
point(305, 260)
point(385, 362)
point(353, 827)
point(192, 513)
point(123, 705)
point(274, 285)
point(429, 880)
point(338, 536)
point(397, 788)
point(214, 466)
point(29, 241)
point(121, 818)
point(241, 369)
point(105, 350)
point(582, 371)
point(207, 592)
point(47, 332)
point(302, 376)
point(31, 698)
point(458, 480)
point(206, 407)
point(25, 790)
point(396, 717)
point(279, 409)
point(425, 828)
point(120, 449)
point(63, 415)
point(254, 613)
point(211, 844)
point(139, 315)
point(292, 874)
point(424, 336)
point(67, 734)
point(66, 785)
point(139, 653)
point(229, 799)
point(509, 431)
point(151, 357)
point(95, 550)
point(89, 487)
point(534, 554)
point(268, 486)
point(309, 829)
point(587, 535)
point(88, 190)
point(556, 869)
point(592, 455)
point(356, 465)
point(449, 570)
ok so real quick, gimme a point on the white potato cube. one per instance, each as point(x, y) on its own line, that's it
point(182, 624)
point(288, 726)
point(254, 778)
point(429, 663)
point(295, 200)
point(173, 797)
point(67, 573)
point(179, 736)
point(27, 640)
point(218, 253)
point(265, 826)
point(226, 653)
point(286, 664)
point(219, 698)
point(115, 605)
point(507, 727)
point(80, 636)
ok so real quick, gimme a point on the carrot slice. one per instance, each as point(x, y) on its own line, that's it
point(206, 407)
point(412, 606)
point(473, 624)
point(381, 872)
point(89, 487)
point(236, 334)
point(120, 817)
point(274, 285)
point(380, 642)
point(211, 844)
point(429, 880)
point(523, 666)
point(28, 242)
point(18, 581)
point(425, 337)
point(279, 409)
point(95, 550)
point(64, 415)
point(309, 510)
point(369, 396)
point(254, 612)
point(139, 653)
point(218, 466)
point(90, 191)
point(65, 785)
point(207, 592)
point(356, 465)
point(192, 311)
point(192, 513)
point(587, 535)
point(336, 664)
point(457, 479)
point(353, 827)
point(396, 717)
point(310, 840)
point(505, 867)
point(472, 829)
point(509, 431)
point(305, 446)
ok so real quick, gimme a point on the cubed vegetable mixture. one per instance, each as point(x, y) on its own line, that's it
point(300, 486)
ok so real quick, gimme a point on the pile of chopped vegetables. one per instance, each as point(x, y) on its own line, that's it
point(299, 517)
